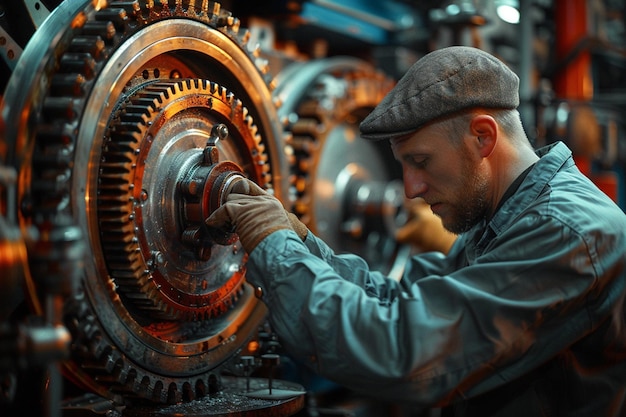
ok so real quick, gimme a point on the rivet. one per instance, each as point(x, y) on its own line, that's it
point(258, 292)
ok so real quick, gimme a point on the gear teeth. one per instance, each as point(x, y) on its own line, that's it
point(132, 8)
point(235, 25)
point(149, 6)
point(81, 63)
point(117, 16)
point(214, 8)
point(53, 156)
point(165, 9)
point(72, 85)
point(191, 8)
point(255, 133)
point(263, 65)
point(234, 103)
point(201, 10)
point(225, 20)
point(178, 8)
point(53, 134)
point(134, 114)
point(149, 103)
point(93, 45)
point(159, 92)
point(60, 108)
point(246, 116)
point(223, 94)
point(278, 103)
point(245, 37)
point(105, 30)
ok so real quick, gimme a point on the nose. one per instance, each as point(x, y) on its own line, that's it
point(414, 184)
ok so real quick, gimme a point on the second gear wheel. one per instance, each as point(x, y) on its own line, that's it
point(346, 190)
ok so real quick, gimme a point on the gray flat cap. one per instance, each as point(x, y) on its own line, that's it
point(441, 83)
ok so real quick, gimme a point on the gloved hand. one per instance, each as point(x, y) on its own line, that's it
point(252, 212)
point(299, 227)
point(424, 229)
point(250, 188)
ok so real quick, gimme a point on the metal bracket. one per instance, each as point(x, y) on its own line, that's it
point(37, 11)
point(9, 49)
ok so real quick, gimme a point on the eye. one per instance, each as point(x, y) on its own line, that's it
point(418, 161)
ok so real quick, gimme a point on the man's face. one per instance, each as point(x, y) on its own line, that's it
point(447, 173)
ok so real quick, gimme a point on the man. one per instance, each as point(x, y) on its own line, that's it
point(525, 314)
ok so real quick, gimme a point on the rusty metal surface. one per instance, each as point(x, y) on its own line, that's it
point(235, 401)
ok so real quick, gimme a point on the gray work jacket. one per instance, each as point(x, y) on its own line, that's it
point(525, 315)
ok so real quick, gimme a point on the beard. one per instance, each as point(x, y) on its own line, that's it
point(470, 206)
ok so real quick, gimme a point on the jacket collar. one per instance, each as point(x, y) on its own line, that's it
point(553, 158)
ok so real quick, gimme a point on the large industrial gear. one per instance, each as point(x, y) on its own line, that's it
point(123, 123)
point(129, 118)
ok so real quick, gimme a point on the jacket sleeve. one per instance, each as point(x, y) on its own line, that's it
point(443, 331)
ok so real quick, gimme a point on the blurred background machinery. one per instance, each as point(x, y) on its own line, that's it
point(123, 121)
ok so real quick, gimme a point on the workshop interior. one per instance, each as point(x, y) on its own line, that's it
point(123, 122)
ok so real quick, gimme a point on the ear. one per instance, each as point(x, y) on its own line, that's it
point(485, 128)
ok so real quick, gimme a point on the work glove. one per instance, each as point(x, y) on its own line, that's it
point(300, 228)
point(424, 230)
point(250, 188)
point(251, 212)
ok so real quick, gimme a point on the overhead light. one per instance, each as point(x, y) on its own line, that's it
point(453, 9)
point(508, 10)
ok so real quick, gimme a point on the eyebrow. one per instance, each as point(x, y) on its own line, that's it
point(400, 139)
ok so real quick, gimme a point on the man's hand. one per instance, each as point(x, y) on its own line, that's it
point(300, 228)
point(252, 212)
point(424, 230)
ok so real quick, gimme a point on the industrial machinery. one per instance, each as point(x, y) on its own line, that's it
point(123, 124)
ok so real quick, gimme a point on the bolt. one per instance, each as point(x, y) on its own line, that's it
point(271, 360)
point(220, 131)
point(155, 259)
point(192, 187)
point(247, 362)
point(211, 154)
